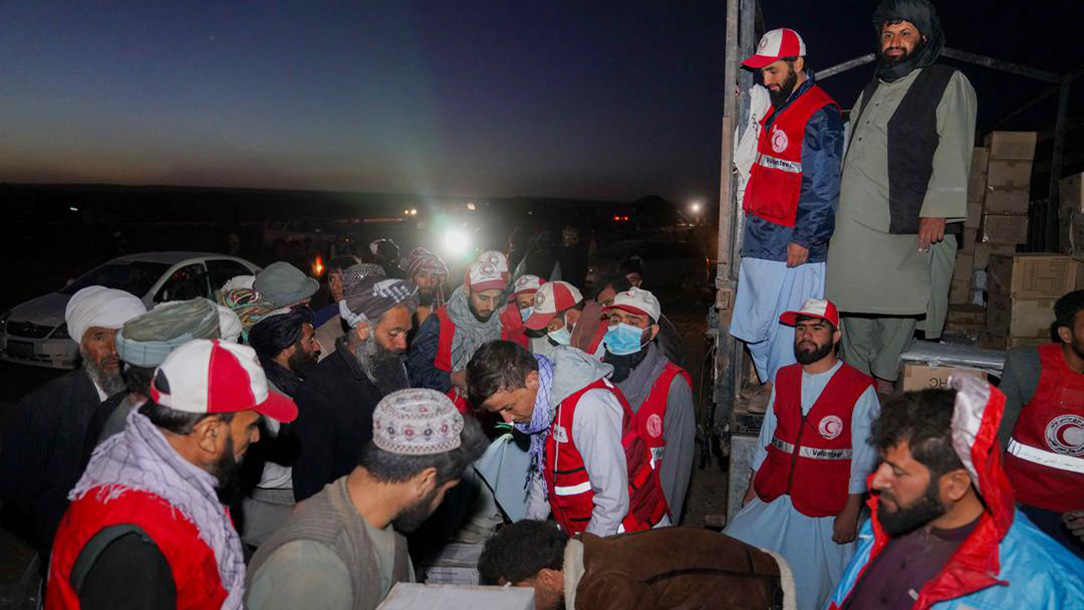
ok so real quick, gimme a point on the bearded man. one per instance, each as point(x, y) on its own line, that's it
point(42, 450)
point(337, 399)
point(810, 466)
point(790, 201)
point(903, 195)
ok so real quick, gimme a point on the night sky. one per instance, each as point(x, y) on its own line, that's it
point(609, 100)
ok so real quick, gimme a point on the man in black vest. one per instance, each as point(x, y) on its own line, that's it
point(903, 195)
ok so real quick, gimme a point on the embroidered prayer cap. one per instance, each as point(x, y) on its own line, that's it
point(813, 308)
point(417, 422)
point(638, 301)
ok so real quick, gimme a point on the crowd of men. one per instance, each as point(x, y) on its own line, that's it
point(252, 452)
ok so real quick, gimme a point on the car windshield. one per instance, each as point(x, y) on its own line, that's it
point(135, 277)
point(619, 250)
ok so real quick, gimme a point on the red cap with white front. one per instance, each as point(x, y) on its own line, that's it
point(550, 299)
point(637, 301)
point(527, 284)
point(776, 45)
point(212, 376)
point(485, 275)
point(813, 308)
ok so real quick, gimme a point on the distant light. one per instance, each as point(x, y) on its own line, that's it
point(471, 206)
point(406, 212)
point(318, 266)
point(456, 241)
point(696, 207)
point(73, 208)
point(413, 212)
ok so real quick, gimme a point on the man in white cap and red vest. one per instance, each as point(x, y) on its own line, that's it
point(790, 201)
point(344, 547)
point(146, 527)
point(1043, 428)
point(42, 448)
point(812, 459)
point(556, 310)
point(943, 532)
point(659, 392)
point(520, 307)
point(448, 338)
point(590, 467)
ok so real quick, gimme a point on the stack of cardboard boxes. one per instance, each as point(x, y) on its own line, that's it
point(997, 220)
point(1021, 290)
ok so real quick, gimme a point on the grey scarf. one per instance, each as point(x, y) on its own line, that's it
point(141, 459)
point(470, 334)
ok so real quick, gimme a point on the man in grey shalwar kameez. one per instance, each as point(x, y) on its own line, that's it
point(903, 195)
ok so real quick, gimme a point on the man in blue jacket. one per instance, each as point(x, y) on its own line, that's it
point(944, 532)
point(790, 201)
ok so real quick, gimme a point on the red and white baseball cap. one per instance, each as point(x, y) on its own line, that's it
point(776, 45)
point(484, 275)
point(813, 308)
point(637, 301)
point(550, 299)
point(497, 259)
point(527, 284)
point(212, 376)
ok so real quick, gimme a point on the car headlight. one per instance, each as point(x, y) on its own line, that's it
point(61, 332)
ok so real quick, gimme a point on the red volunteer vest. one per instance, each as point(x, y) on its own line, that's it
point(443, 358)
point(569, 487)
point(1045, 457)
point(810, 456)
point(775, 180)
point(652, 414)
point(195, 570)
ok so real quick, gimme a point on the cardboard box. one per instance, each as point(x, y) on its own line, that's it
point(1031, 276)
point(960, 316)
point(976, 184)
point(983, 252)
point(988, 340)
point(1011, 145)
point(1008, 174)
point(1009, 317)
point(1071, 193)
point(1004, 229)
point(917, 377)
point(411, 596)
point(1006, 201)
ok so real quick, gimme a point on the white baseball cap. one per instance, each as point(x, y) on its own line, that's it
point(551, 298)
point(776, 45)
point(497, 259)
point(212, 376)
point(638, 301)
point(485, 275)
point(527, 283)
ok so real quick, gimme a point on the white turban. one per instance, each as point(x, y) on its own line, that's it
point(100, 306)
point(229, 325)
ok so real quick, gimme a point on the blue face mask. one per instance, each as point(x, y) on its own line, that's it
point(562, 336)
point(526, 313)
point(623, 339)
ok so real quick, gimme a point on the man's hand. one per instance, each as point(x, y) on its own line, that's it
point(845, 526)
point(459, 380)
point(796, 255)
point(1074, 520)
point(930, 231)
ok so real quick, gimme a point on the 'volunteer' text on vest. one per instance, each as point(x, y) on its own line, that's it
point(775, 180)
point(810, 456)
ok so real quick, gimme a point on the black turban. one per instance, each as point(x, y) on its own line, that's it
point(277, 332)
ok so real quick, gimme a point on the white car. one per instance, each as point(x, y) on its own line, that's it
point(35, 333)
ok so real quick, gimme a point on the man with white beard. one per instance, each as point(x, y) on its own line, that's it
point(337, 399)
point(42, 447)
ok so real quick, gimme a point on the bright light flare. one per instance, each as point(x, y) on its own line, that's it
point(696, 208)
point(318, 266)
point(456, 241)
